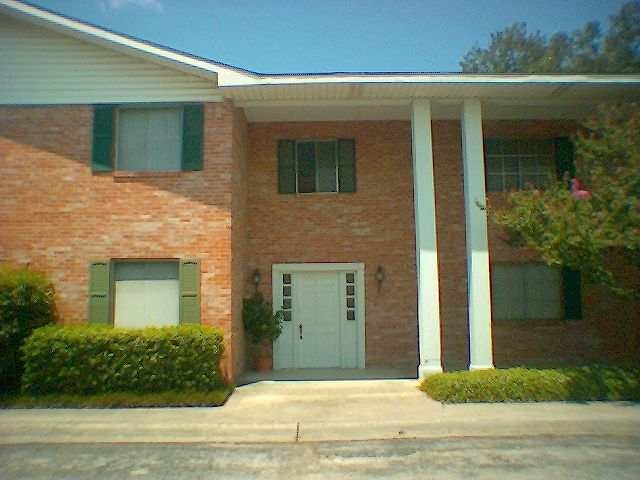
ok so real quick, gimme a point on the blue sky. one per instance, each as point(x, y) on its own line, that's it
point(328, 35)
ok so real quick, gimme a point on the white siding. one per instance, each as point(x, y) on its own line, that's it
point(38, 66)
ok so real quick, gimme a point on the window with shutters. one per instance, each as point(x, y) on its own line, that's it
point(312, 166)
point(514, 164)
point(146, 294)
point(147, 139)
point(529, 291)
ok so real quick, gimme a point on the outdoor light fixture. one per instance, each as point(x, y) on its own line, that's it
point(256, 278)
point(380, 276)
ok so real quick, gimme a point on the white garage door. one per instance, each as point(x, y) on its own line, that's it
point(324, 321)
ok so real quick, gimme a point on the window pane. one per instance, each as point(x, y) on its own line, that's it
point(149, 139)
point(511, 182)
point(543, 292)
point(351, 277)
point(306, 167)
point(351, 315)
point(511, 165)
point(286, 291)
point(132, 140)
point(507, 291)
point(286, 278)
point(326, 152)
point(165, 139)
point(146, 294)
point(286, 303)
point(494, 183)
point(494, 164)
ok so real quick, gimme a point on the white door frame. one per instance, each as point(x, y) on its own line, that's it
point(278, 269)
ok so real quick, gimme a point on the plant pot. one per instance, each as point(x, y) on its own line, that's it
point(262, 358)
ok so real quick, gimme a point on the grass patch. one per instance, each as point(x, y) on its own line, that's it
point(589, 383)
point(213, 398)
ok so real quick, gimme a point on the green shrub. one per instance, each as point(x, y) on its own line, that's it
point(90, 360)
point(26, 303)
point(529, 385)
point(261, 323)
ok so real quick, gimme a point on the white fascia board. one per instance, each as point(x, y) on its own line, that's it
point(439, 78)
point(124, 44)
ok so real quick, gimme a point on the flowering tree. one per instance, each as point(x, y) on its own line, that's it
point(576, 224)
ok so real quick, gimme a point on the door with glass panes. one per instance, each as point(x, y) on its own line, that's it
point(322, 321)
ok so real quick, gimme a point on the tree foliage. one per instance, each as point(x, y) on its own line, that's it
point(587, 50)
point(580, 233)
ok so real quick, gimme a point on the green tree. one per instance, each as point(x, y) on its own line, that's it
point(580, 229)
point(588, 50)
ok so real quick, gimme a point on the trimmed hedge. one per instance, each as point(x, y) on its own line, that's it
point(90, 360)
point(26, 303)
point(530, 385)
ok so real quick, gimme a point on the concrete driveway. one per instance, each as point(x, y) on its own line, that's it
point(304, 411)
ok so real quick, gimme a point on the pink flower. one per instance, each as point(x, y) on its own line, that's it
point(577, 191)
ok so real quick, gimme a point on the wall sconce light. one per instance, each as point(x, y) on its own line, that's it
point(257, 278)
point(380, 276)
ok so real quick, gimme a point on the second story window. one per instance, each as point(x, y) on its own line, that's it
point(514, 164)
point(147, 139)
point(308, 166)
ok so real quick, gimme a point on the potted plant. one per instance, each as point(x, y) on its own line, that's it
point(263, 327)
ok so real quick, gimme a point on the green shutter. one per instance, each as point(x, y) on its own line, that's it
point(192, 137)
point(572, 292)
point(286, 166)
point(563, 148)
point(99, 293)
point(346, 165)
point(190, 291)
point(103, 134)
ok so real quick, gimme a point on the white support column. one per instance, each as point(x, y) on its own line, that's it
point(478, 279)
point(426, 245)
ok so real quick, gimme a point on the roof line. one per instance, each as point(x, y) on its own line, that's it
point(207, 65)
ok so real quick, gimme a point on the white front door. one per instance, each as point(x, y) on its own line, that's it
point(323, 324)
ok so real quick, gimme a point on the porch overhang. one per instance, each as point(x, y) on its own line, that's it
point(503, 97)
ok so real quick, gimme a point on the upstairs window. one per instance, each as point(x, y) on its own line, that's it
point(513, 164)
point(309, 166)
point(149, 139)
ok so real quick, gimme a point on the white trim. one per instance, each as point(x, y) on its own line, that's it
point(278, 269)
point(478, 278)
point(426, 240)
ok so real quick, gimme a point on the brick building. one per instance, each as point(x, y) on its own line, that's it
point(154, 187)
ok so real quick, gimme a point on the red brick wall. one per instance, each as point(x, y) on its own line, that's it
point(373, 225)
point(57, 216)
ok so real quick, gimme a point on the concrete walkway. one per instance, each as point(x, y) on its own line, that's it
point(306, 411)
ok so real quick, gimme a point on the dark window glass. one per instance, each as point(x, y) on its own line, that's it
point(326, 152)
point(306, 167)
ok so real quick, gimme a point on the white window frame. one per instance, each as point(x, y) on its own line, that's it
point(116, 146)
point(522, 159)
